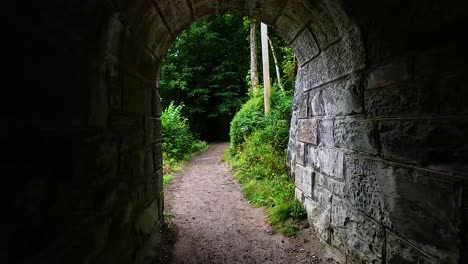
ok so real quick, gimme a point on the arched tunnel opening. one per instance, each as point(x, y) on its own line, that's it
point(378, 145)
point(204, 72)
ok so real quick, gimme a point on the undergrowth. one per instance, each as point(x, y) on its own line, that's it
point(179, 144)
point(258, 156)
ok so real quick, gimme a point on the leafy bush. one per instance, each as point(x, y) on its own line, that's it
point(177, 138)
point(179, 144)
point(258, 156)
point(251, 118)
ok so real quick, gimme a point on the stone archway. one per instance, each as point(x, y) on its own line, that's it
point(377, 140)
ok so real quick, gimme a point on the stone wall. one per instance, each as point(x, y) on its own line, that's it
point(378, 145)
point(378, 137)
point(84, 135)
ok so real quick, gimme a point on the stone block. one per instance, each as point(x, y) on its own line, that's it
point(153, 130)
point(317, 106)
point(357, 135)
point(265, 10)
point(136, 96)
point(327, 161)
point(294, 123)
point(298, 171)
point(145, 22)
point(156, 106)
point(302, 106)
point(426, 212)
point(149, 130)
point(113, 43)
point(358, 236)
point(204, 8)
point(114, 86)
point(240, 7)
point(129, 170)
point(300, 153)
point(291, 157)
point(370, 187)
point(132, 16)
point(304, 46)
point(156, 183)
point(148, 67)
point(157, 129)
point(308, 178)
point(421, 206)
point(393, 101)
point(334, 186)
point(161, 204)
point(307, 131)
point(319, 217)
point(402, 252)
point(157, 155)
point(342, 58)
point(323, 197)
point(141, 170)
point(160, 40)
point(325, 132)
point(343, 97)
point(299, 195)
point(331, 252)
point(444, 94)
point(130, 52)
point(439, 144)
point(331, 25)
point(176, 13)
point(293, 19)
point(148, 218)
point(148, 164)
point(130, 129)
point(388, 74)
point(157, 32)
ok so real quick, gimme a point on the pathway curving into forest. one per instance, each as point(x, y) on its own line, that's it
point(215, 223)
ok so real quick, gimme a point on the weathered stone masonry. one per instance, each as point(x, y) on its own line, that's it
point(378, 145)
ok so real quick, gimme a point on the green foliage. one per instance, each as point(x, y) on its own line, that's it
point(177, 138)
point(167, 214)
point(289, 66)
point(258, 156)
point(179, 144)
point(205, 70)
point(251, 118)
point(166, 179)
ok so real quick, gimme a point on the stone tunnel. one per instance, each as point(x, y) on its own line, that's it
point(378, 141)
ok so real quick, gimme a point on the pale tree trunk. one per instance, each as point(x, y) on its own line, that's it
point(276, 64)
point(266, 68)
point(253, 55)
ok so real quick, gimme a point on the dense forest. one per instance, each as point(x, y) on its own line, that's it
point(211, 90)
point(207, 70)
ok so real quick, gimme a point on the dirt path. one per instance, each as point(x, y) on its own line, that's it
point(215, 223)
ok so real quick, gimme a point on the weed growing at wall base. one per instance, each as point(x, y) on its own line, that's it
point(258, 157)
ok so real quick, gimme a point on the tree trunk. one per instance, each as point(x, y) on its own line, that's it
point(276, 64)
point(253, 55)
point(266, 68)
